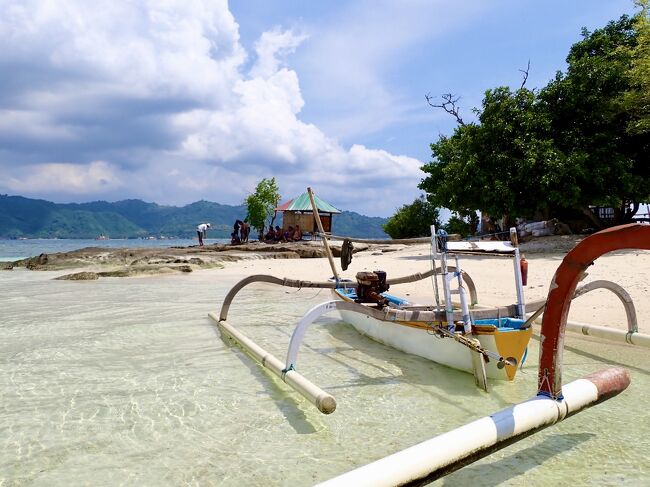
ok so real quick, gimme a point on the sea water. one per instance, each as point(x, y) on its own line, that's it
point(21, 249)
point(127, 382)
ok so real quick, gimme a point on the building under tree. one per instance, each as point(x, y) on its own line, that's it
point(298, 211)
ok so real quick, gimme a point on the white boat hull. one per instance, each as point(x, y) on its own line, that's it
point(418, 339)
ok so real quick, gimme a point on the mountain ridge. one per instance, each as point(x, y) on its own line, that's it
point(22, 217)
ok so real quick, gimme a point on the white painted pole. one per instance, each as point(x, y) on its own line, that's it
point(443, 454)
point(314, 394)
point(434, 255)
point(446, 281)
point(613, 334)
point(467, 322)
point(521, 304)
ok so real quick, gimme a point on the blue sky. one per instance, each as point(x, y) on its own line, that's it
point(178, 101)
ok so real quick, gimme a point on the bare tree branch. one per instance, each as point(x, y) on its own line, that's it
point(525, 71)
point(448, 105)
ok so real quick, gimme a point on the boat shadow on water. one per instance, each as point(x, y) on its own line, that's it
point(284, 400)
point(360, 353)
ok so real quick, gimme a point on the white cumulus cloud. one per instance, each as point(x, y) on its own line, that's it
point(155, 100)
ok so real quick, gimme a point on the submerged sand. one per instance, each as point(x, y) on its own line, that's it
point(126, 381)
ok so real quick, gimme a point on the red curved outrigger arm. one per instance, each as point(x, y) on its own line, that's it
point(563, 286)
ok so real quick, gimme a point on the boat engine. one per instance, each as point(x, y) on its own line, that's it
point(370, 285)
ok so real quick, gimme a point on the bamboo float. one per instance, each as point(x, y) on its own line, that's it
point(613, 334)
point(439, 456)
point(631, 335)
point(314, 394)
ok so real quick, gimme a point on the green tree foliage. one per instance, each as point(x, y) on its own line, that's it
point(413, 220)
point(459, 225)
point(261, 204)
point(589, 121)
point(637, 99)
point(463, 223)
point(564, 147)
point(494, 165)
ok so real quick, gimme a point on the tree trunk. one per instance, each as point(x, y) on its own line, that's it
point(593, 218)
point(506, 226)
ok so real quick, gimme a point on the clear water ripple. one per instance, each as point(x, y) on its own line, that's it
point(127, 382)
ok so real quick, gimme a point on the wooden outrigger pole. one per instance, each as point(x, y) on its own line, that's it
point(328, 251)
point(446, 453)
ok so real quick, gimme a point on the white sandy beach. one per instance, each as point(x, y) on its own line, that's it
point(493, 277)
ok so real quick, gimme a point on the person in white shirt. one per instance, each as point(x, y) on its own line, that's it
point(202, 231)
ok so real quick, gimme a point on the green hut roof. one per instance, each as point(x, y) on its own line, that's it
point(302, 203)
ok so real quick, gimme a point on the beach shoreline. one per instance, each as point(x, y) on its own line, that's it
point(493, 277)
point(306, 260)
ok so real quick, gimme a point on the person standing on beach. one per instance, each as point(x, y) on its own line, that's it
point(244, 231)
point(202, 231)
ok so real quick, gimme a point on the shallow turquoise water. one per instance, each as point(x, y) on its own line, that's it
point(127, 382)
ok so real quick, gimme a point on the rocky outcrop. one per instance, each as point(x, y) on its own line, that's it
point(125, 262)
point(79, 276)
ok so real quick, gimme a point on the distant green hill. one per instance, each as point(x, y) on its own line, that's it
point(31, 218)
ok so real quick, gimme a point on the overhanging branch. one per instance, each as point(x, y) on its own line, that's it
point(448, 105)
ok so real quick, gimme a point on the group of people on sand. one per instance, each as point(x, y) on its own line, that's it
point(240, 233)
point(277, 235)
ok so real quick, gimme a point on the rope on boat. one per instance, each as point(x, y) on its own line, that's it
point(523, 359)
point(285, 370)
point(487, 354)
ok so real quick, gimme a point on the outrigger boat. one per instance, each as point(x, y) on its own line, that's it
point(552, 402)
point(436, 332)
point(489, 342)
